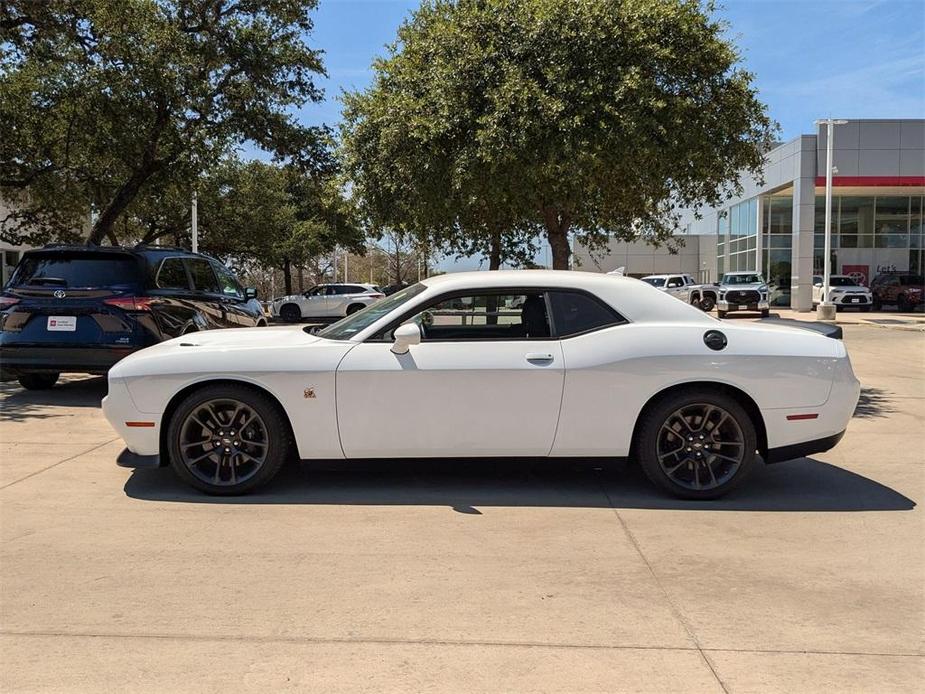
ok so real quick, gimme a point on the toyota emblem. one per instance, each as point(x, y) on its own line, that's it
point(60, 294)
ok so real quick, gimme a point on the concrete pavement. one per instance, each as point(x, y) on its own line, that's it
point(458, 576)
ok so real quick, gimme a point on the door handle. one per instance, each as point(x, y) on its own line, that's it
point(539, 356)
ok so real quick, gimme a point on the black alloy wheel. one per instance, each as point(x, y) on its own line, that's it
point(290, 313)
point(707, 303)
point(227, 439)
point(697, 444)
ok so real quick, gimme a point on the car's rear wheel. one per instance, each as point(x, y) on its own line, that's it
point(38, 381)
point(697, 444)
point(290, 313)
point(227, 439)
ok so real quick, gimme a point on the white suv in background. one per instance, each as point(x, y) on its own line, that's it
point(844, 292)
point(325, 302)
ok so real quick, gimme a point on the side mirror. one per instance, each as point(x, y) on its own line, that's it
point(405, 336)
point(250, 292)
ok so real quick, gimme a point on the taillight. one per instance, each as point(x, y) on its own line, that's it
point(131, 303)
point(7, 301)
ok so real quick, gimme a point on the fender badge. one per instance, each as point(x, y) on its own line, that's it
point(309, 393)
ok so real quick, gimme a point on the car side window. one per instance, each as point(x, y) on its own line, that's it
point(575, 313)
point(172, 275)
point(484, 316)
point(203, 276)
point(674, 282)
point(227, 283)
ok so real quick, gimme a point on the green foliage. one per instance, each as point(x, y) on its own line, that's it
point(594, 118)
point(122, 104)
point(275, 215)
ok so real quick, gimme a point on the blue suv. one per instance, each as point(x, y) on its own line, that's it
point(81, 309)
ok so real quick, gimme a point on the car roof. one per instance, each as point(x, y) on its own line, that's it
point(141, 249)
point(636, 300)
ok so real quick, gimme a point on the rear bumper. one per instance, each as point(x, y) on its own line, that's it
point(800, 450)
point(33, 358)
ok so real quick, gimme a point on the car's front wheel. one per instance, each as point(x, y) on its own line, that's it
point(227, 439)
point(697, 444)
point(290, 313)
point(707, 303)
point(38, 381)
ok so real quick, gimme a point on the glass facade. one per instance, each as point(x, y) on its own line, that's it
point(743, 231)
point(871, 234)
point(777, 230)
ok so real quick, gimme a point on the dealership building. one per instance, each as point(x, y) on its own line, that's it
point(777, 226)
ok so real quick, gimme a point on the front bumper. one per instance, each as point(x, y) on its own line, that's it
point(141, 431)
point(761, 305)
point(850, 300)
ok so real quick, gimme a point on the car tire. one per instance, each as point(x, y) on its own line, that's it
point(720, 314)
point(876, 305)
point(707, 303)
point(265, 439)
point(353, 308)
point(765, 313)
point(290, 313)
point(38, 381)
point(901, 304)
point(678, 473)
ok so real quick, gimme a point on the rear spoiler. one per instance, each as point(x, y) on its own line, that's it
point(827, 329)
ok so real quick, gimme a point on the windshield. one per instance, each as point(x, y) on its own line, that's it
point(654, 281)
point(347, 327)
point(77, 271)
point(842, 282)
point(742, 279)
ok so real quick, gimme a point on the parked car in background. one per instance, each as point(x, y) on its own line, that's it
point(590, 365)
point(742, 291)
point(682, 286)
point(844, 292)
point(901, 289)
point(326, 302)
point(81, 309)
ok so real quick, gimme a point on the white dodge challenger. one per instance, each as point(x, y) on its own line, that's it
point(518, 363)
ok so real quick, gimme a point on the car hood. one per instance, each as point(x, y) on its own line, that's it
point(222, 351)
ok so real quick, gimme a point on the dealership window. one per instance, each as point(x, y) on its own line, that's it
point(777, 244)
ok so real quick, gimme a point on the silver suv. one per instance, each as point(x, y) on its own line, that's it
point(325, 302)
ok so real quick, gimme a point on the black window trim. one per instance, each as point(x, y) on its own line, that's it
point(545, 290)
point(160, 266)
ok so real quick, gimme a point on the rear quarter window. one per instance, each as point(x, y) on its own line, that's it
point(575, 313)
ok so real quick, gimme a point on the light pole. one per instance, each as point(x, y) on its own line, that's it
point(826, 310)
point(194, 222)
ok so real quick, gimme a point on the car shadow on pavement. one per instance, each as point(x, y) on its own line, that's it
point(18, 404)
point(873, 402)
point(467, 485)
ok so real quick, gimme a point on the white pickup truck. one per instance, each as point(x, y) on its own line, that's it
point(683, 287)
point(736, 291)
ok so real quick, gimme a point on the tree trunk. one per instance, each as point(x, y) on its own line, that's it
point(287, 277)
point(494, 251)
point(301, 279)
point(557, 224)
point(147, 167)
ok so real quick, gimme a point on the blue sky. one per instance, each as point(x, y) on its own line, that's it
point(811, 58)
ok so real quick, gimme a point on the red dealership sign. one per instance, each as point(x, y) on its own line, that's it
point(859, 273)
